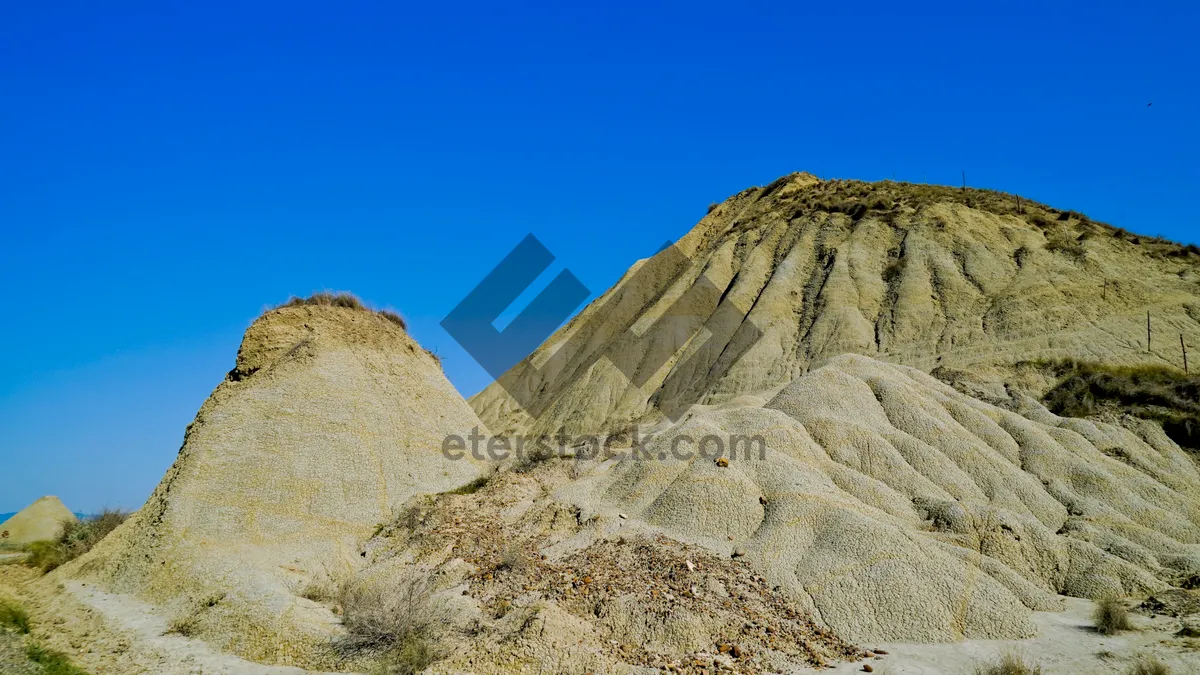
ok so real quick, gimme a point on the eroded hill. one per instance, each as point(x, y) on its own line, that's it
point(967, 283)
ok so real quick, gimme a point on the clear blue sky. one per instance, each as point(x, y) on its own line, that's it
point(167, 170)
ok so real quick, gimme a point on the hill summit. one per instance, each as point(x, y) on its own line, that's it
point(951, 281)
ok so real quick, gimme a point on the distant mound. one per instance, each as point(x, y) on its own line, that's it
point(964, 283)
point(40, 521)
point(331, 418)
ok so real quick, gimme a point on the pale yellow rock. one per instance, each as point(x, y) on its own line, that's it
point(898, 508)
point(40, 521)
point(332, 418)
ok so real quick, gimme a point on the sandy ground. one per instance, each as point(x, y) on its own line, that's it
point(179, 654)
point(116, 634)
point(1066, 643)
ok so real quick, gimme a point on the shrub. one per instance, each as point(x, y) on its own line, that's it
point(1149, 665)
point(346, 300)
point(1009, 664)
point(14, 617)
point(74, 539)
point(399, 618)
point(1110, 616)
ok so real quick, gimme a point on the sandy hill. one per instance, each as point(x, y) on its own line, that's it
point(40, 521)
point(331, 418)
point(776, 279)
point(888, 506)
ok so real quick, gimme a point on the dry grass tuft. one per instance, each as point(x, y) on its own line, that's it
point(186, 625)
point(514, 558)
point(1111, 616)
point(74, 539)
point(346, 300)
point(1149, 665)
point(1009, 664)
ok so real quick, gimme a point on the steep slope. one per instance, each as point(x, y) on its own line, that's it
point(40, 521)
point(332, 417)
point(777, 278)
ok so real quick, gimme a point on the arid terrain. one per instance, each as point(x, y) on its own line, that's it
point(838, 427)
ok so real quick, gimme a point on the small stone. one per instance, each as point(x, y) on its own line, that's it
point(737, 651)
point(622, 516)
point(724, 648)
point(738, 552)
point(867, 668)
point(880, 651)
point(762, 500)
point(691, 566)
point(722, 462)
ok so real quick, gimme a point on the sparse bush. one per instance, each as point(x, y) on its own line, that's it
point(346, 300)
point(396, 618)
point(13, 617)
point(712, 207)
point(74, 539)
point(1009, 664)
point(1149, 665)
point(1110, 616)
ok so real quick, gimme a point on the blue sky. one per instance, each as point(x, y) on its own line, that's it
point(168, 170)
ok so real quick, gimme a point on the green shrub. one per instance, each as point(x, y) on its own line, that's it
point(74, 539)
point(52, 662)
point(46, 555)
point(13, 617)
point(1110, 616)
